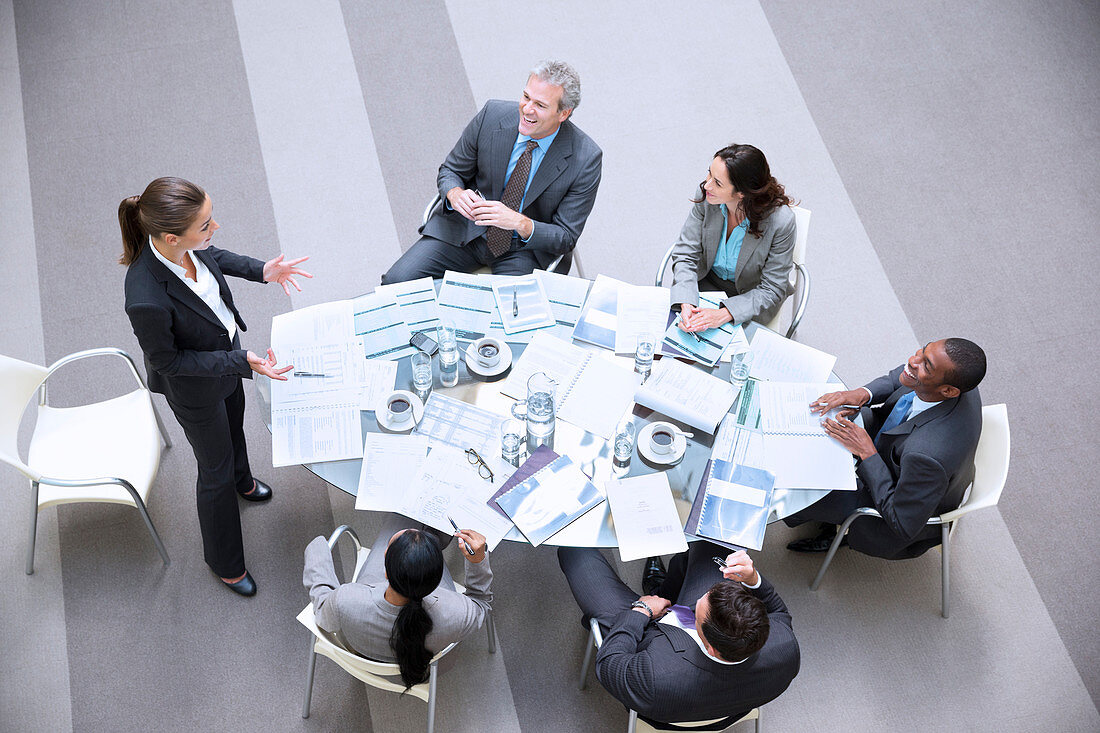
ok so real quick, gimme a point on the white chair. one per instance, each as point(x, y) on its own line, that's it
point(375, 674)
point(101, 452)
point(634, 724)
point(560, 265)
point(800, 276)
point(990, 473)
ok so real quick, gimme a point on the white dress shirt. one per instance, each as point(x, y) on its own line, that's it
point(204, 285)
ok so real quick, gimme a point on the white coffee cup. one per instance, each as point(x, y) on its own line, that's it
point(399, 409)
point(662, 440)
point(487, 352)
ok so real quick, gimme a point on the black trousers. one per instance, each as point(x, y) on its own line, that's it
point(216, 434)
point(601, 593)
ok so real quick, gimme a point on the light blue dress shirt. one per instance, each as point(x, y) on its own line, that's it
point(725, 261)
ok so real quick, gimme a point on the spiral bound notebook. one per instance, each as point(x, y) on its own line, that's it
point(593, 391)
point(734, 502)
point(550, 499)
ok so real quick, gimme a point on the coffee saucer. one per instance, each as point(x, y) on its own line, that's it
point(679, 446)
point(384, 419)
point(501, 366)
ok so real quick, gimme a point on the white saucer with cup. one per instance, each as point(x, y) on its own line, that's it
point(662, 443)
point(401, 410)
point(488, 357)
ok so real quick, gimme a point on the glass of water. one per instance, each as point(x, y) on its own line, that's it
point(448, 353)
point(422, 374)
point(643, 354)
point(740, 365)
point(625, 435)
point(512, 436)
point(538, 410)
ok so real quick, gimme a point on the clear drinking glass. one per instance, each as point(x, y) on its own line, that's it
point(740, 365)
point(422, 374)
point(625, 435)
point(511, 441)
point(448, 353)
point(643, 354)
point(538, 410)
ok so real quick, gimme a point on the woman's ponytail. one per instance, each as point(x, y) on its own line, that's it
point(132, 237)
point(414, 567)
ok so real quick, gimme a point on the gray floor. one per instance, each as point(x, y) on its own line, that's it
point(948, 154)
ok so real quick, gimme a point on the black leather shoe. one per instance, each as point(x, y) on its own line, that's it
point(653, 575)
point(817, 543)
point(261, 492)
point(246, 586)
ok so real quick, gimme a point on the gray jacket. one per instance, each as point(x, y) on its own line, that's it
point(763, 265)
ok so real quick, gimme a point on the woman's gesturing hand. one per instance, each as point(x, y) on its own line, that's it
point(260, 365)
point(278, 271)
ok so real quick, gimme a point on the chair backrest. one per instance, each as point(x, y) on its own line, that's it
point(18, 382)
point(990, 462)
point(801, 234)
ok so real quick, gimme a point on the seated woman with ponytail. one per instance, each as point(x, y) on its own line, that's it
point(738, 239)
point(403, 607)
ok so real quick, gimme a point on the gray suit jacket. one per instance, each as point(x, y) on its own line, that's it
point(362, 619)
point(559, 198)
point(763, 265)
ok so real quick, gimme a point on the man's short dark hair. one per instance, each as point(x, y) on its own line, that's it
point(737, 621)
point(968, 362)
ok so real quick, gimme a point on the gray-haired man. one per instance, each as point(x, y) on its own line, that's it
point(513, 226)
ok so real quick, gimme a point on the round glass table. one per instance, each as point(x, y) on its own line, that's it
point(591, 453)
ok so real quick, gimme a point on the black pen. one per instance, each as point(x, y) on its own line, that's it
point(469, 550)
point(720, 562)
point(515, 303)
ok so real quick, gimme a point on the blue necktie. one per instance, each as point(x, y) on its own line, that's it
point(897, 415)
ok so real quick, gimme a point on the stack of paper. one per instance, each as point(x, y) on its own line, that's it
point(706, 347)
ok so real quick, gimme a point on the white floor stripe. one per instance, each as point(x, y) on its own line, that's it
point(322, 167)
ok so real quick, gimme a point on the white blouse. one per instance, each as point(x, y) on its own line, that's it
point(204, 285)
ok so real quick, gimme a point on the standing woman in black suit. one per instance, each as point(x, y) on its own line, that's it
point(184, 318)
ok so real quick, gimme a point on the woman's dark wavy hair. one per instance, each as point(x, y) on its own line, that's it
point(414, 567)
point(749, 172)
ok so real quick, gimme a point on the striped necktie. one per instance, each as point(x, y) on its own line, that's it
point(499, 240)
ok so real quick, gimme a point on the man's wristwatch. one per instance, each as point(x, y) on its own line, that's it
point(642, 604)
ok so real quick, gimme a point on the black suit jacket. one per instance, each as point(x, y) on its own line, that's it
point(189, 356)
point(922, 469)
point(559, 199)
point(659, 671)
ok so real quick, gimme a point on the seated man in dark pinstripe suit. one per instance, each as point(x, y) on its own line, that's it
point(723, 648)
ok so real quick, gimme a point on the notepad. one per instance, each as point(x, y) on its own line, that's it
point(593, 391)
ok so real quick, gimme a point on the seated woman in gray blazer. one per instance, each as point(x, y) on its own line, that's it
point(738, 239)
point(403, 607)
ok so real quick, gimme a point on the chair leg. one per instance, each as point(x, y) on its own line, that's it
point(756, 723)
point(153, 531)
point(589, 645)
point(309, 679)
point(946, 552)
point(491, 629)
point(34, 528)
point(828, 558)
point(433, 678)
point(163, 431)
point(632, 722)
point(577, 264)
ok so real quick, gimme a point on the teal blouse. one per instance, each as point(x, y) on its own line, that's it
point(725, 262)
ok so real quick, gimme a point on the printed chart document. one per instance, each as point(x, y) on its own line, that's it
point(735, 504)
point(567, 296)
point(380, 378)
point(390, 463)
point(646, 522)
point(711, 344)
point(467, 300)
point(549, 500)
point(448, 421)
point(687, 394)
point(641, 309)
point(380, 323)
point(796, 448)
point(746, 409)
point(593, 391)
point(522, 304)
point(779, 359)
point(311, 434)
point(324, 323)
point(447, 485)
point(416, 299)
point(599, 319)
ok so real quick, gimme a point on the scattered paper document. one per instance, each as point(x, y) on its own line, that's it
point(779, 359)
point(686, 394)
point(332, 432)
point(448, 421)
point(416, 299)
point(379, 321)
point(599, 319)
point(785, 407)
point(641, 309)
point(567, 297)
point(467, 301)
point(323, 323)
point(379, 379)
point(390, 463)
point(644, 512)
